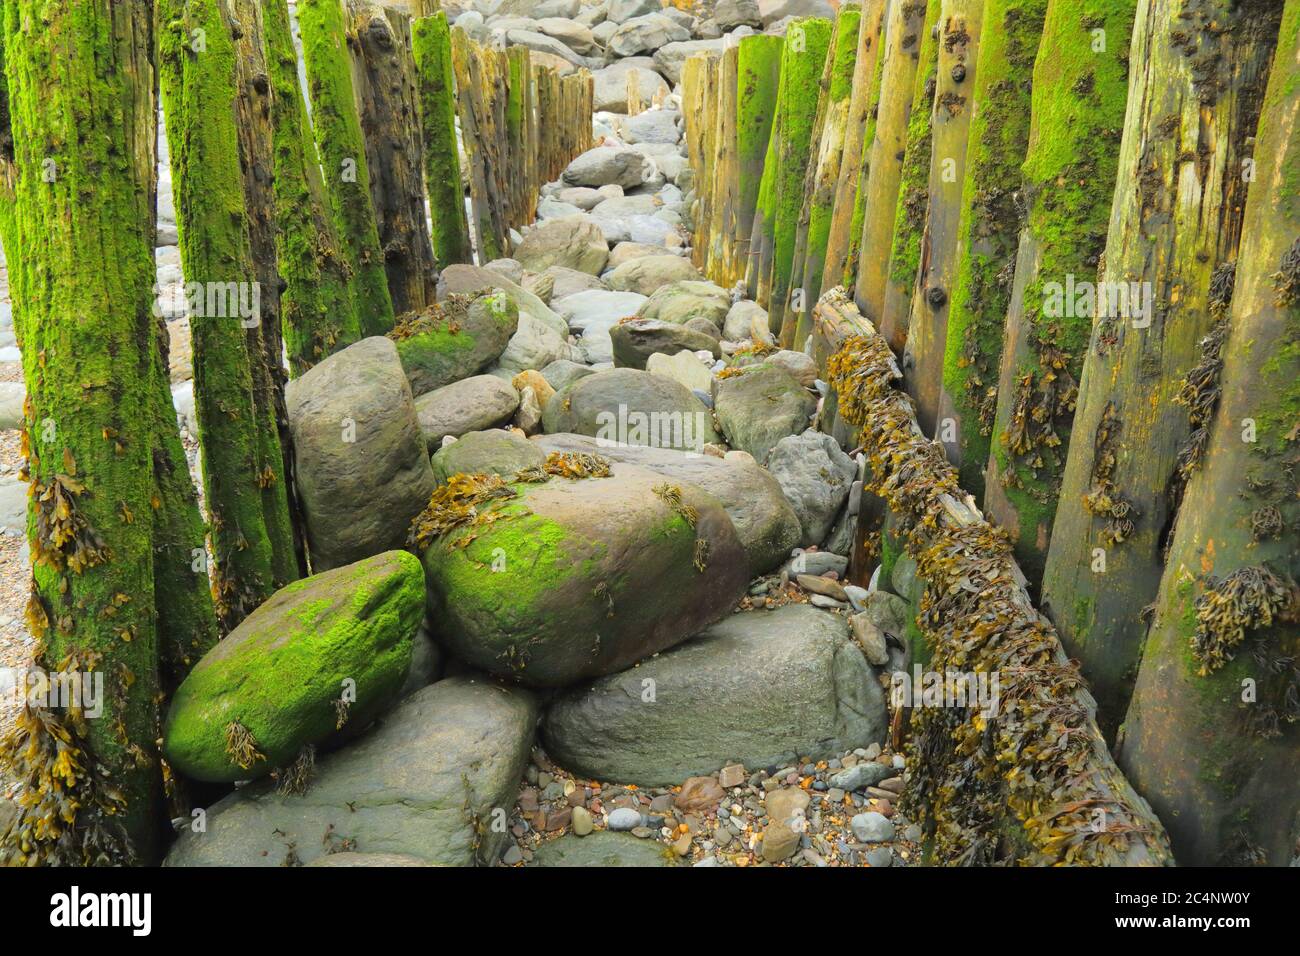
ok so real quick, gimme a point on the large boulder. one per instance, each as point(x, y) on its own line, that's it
point(574, 578)
point(470, 405)
point(767, 526)
point(426, 783)
point(361, 465)
point(816, 477)
point(544, 44)
point(281, 673)
point(493, 452)
point(760, 688)
point(455, 338)
point(760, 406)
point(645, 34)
point(606, 165)
point(634, 341)
point(625, 406)
point(729, 14)
point(679, 302)
point(575, 243)
point(647, 273)
point(573, 35)
point(627, 251)
point(685, 367)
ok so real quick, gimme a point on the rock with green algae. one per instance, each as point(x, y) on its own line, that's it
point(276, 682)
point(454, 339)
point(566, 579)
point(629, 406)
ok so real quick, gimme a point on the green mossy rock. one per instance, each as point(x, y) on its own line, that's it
point(454, 339)
point(603, 848)
point(281, 672)
point(582, 578)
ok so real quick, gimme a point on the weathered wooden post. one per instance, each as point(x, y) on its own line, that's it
point(907, 28)
point(343, 156)
point(431, 47)
point(934, 251)
point(384, 79)
point(988, 232)
point(860, 129)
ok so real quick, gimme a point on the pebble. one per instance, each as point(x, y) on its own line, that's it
point(582, 822)
point(872, 827)
point(879, 857)
point(860, 775)
point(732, 775)
point(513, 855)
point(624, 818)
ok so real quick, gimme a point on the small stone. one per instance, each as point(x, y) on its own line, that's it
point(893, 783)
point(682, 845)
point(835, 795)
point(879, 857)
point(859, 776)
point(779, 843)
point(699, 793)
point(913, 834)
point(624, 818)
point(582, 822)
point(872, 827)
point(732, 775)
point(558, 819)
point(870, 638)
point(820, 585)
point(872, 752)
point(643, 833)
point(513, 855)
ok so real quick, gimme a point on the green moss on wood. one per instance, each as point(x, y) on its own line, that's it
point(431, 46)
point(343, 157)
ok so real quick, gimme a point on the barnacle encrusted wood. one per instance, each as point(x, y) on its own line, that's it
point(1033, 782)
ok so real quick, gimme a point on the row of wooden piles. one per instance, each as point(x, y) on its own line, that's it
point(416, 82)
point(1076, 224)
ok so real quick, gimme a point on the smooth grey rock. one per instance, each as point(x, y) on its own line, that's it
point(758, 688)
point(566, 282)
point(679, 302)
point(652, 126)
point(624, 818)
point(872, 827)
point(611, 82)
point(627, 251)
point(761, 407)
point(470, 405)
point(362, 469)
point(729, 14)
point(575, 243)
point(765, 523)
point(636, 340)
point(889, 612)
point(815, 475)
point(861, 775)
point(603, 849)
point(563, 372)
point(631, 407)
point(604, 165)
point(445, 757)
point(621, 11)
point(647, 273)
point(495, 452)
point(645, 33)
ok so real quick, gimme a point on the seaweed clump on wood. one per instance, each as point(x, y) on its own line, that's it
point(1037, 753)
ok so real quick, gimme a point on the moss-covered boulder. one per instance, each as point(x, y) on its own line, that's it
point(492, 452)
point(327, 650)
point(554, 581)
point(454, 338)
